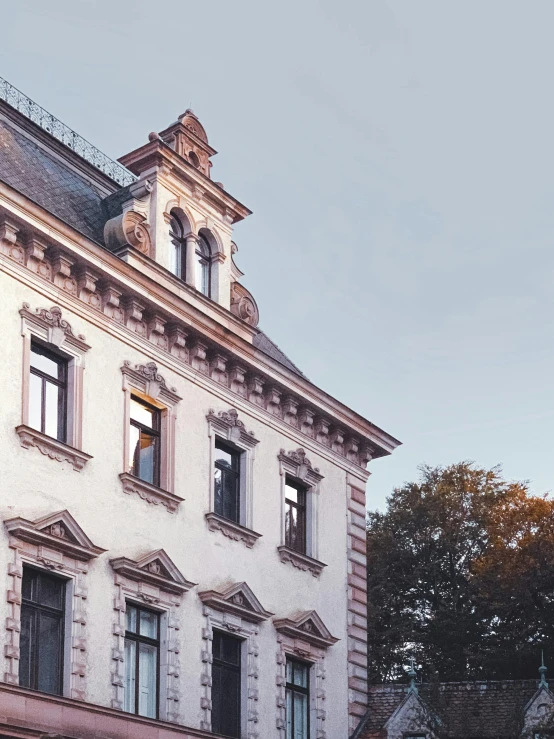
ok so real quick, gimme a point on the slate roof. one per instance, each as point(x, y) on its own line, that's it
point(48, 182)
point(472, 710)
point(43, 178)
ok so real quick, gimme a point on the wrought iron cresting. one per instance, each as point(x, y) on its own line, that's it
point(63, 133)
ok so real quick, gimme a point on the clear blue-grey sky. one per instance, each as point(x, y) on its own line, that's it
point(399, 160)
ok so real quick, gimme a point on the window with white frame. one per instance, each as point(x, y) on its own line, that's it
point(142, 661)
point(149, 435)
point(300, 482)
point(53, 366)
point(231, 481)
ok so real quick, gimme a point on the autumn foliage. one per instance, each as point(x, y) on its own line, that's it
point(461, 576)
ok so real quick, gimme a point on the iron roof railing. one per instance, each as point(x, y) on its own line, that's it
point(63, 133)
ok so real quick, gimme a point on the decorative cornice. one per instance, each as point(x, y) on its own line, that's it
point(149, 493)
point(229, 424)
point(52, 448)
point(299, 466)
point(301, 561)
point(232, 530)
point(127, 309)
point(306, 626)
point(59, 329)
point(147, 376)
point(155, 569)
point(237, 599)
point(58, 531)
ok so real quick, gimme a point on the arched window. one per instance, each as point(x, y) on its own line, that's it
point(203, 266)
point(178, 242)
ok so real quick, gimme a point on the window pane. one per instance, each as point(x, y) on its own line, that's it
point(35, 402)
point(149, 624)
point(148, 659)
point(147, 458)
point(300, 708)
point(49, 653)
point(288, 709)
point(53, 398)
point(225, 701)
point(131, 619)
point(134, 447)
point(224, 457)
point(130, 673)
point(47, 364)
point(26, 639)
point(301, 674)
point(291, 493)
point(51, 591)
point(29, 587)
point(142, 414)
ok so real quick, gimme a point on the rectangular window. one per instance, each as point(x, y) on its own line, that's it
point(42, 631)
point(142, 651)
point(144, 449)
point(48, 393)
point(226, 677)
point(297, 695)
point(295, 516)
point(227, 482)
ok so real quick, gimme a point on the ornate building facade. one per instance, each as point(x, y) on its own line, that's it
point(182, 545)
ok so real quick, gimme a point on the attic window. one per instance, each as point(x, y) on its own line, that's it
point(193, 159)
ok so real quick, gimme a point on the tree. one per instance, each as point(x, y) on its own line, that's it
point(461, 576)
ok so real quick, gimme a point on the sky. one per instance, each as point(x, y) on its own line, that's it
point(399, 160)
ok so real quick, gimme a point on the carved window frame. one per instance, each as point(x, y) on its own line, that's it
point(297, 642)
point(296, 466)
point(138, 582)
point(48, 328)
point(235, 611)
point(226, 426)
point(145, 382)
point(54, 544)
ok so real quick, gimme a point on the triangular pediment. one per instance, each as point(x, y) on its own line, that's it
point(306, 625)
point(156, 568)
point(413, 715)
point(59, 531)
point(539, 711)
point(236, 598)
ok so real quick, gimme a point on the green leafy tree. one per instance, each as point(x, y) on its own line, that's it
point(461, 576)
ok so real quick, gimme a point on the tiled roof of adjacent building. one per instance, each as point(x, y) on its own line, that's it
point(473, 710)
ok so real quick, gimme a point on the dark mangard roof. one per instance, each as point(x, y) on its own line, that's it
point(48, 182)
point(264, 344)
point(479, 710)
point(43, 178)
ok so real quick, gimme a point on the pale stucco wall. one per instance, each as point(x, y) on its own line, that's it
point(33, 485)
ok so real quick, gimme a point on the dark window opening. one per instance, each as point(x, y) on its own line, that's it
point(226, 678)
point(202, 278)
point(144, 447)
point(142, 661)
point(42, 631)
point(295, 516)
point(48, 393)
point(297, 694)
point(227, 482)
point(178, 241)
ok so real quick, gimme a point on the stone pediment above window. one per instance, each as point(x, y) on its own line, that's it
point(155, 569)
point(53, 327)
point(58, 531)
point(146, 378)
point(228, 425)
point(297, 464)
point(307, 626)
point(237, 599)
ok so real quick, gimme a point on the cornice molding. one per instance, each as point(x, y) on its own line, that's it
point(237, 599)
point(149, 493)
point(52, 448)
point(58, 531)
point(307, 626)
point(232, 530)
point(156, 569)
point(297, 411)
point(301, 561)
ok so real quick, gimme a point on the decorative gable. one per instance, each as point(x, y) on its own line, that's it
point(156, 569)
point(539, 711)
point(297, 464)
point(237, 599)
point(307, 626)
point(413, 717)
point(58, 531)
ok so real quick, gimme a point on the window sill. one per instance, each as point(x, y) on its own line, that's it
point(52, 448)
point(301, 561)
point(150, 493)
point(231, 529)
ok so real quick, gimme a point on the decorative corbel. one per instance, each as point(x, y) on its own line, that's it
point(128, 229)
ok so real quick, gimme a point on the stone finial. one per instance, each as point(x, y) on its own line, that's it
point(543, 683)
point(412, 674)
